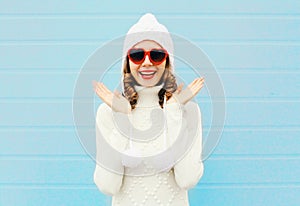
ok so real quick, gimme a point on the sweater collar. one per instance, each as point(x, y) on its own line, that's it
point(148, 96)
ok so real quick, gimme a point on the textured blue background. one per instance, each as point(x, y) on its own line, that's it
point(255, 46)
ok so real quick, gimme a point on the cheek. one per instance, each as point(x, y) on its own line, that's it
point(133, 67)
point(133, 70)
point(162, 67)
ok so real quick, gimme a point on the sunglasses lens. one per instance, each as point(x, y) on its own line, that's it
point(136, 55)
point(158, 55)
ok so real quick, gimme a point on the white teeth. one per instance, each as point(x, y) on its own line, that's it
point(147, 73)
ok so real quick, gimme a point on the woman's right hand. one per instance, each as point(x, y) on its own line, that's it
point(113, 99)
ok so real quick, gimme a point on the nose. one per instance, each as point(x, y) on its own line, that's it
point(147, 61)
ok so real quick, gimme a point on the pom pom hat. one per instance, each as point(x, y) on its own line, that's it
point(148, 28)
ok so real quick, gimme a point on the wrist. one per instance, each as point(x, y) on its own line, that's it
point(175, 99)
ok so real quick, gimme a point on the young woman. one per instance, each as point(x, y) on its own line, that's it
point(148, 84)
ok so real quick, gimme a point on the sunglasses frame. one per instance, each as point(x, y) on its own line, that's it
point(147, 53)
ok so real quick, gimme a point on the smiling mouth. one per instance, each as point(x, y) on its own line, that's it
point(147, 74)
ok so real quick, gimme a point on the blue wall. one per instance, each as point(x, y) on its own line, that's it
point(255, 46)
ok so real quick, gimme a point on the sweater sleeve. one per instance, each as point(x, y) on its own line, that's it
point(189, 169)
point(108, 174)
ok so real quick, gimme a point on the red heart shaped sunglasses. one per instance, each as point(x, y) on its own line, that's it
point(156, 56)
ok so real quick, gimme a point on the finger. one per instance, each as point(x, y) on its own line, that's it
point(97, 85)
point(201, 79)
point(103, 97)
point(196, 86)
point(199, 83)
point(94, 83)
point(99, 88)
point(199, 86)
point(104, 89)
point(99, 92)
point(193, 82)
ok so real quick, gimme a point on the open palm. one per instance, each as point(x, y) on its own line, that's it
point(183, 96)
point(113, 99)
point(120, 104)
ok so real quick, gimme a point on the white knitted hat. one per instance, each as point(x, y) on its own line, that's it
point(148, 28)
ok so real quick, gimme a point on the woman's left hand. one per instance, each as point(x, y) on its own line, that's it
point(187, 94)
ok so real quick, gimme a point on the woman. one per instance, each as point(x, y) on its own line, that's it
point(148, 84)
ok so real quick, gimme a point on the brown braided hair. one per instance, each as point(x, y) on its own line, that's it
point(130, 93)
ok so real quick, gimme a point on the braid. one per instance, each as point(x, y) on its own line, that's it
point(170, 86)
point(161, 95)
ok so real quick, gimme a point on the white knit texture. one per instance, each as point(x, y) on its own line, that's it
point(168, 188)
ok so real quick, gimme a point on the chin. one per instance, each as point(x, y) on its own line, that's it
point(147, 85)
point(144, 83)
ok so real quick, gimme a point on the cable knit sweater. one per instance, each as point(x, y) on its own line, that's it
point(165, 188)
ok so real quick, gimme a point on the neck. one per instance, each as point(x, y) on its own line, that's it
point(148, 96)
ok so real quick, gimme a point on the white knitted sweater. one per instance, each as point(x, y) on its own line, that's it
point(165, 188)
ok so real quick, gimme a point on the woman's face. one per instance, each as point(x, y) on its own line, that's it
point(147, 74)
